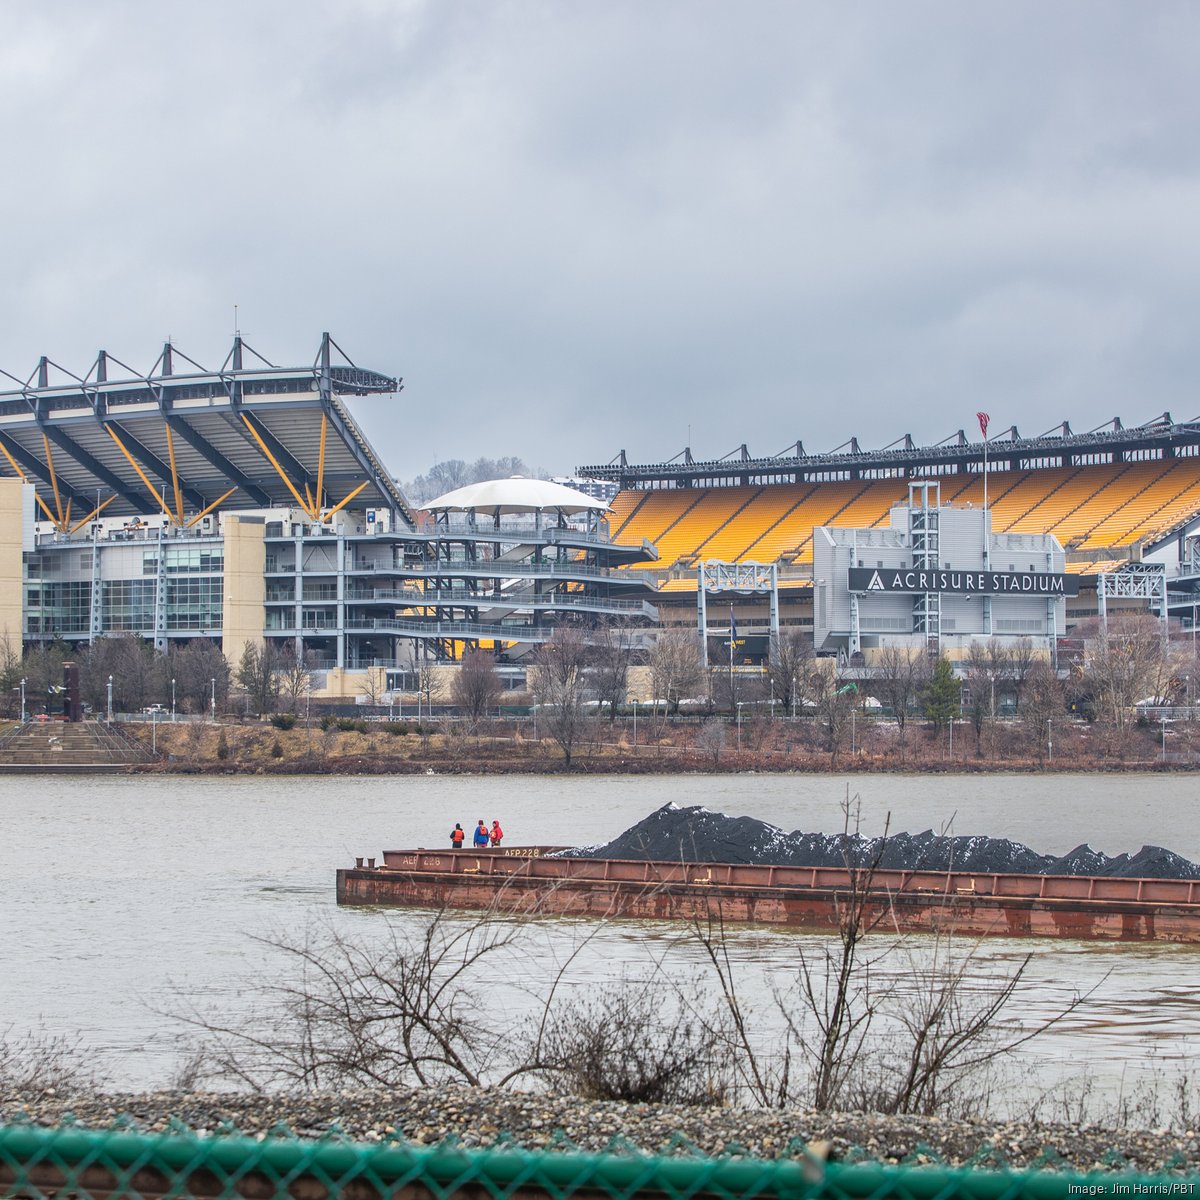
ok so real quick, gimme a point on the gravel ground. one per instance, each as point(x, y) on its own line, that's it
point(482, 1117)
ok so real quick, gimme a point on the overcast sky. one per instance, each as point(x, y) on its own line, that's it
point(575, 228)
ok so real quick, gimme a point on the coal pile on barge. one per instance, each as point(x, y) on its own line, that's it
point(694, 834)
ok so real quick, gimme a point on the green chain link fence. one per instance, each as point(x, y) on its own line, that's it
point(37, 1163)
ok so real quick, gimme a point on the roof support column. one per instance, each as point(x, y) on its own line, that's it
point(298, 611)
point(160, 597)
point(341, 599)
point(95, 627)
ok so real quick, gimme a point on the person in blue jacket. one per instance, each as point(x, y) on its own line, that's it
point(482, 837)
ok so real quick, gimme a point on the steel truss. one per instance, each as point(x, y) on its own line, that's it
point(748, 578)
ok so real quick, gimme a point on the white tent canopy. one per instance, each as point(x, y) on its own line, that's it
point(516, 495)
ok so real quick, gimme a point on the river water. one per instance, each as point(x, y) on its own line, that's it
point(124, 898)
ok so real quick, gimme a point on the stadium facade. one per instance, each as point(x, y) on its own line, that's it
point(245, 504)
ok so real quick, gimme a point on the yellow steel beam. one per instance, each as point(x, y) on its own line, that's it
point(49, 515)
point(308, 494)
point(141, 474)
point(53, 480)
point(92, 515)
point(279, 470)
point(12, 462)
point(321, 464)
point(209, 509)
point(175, 477)
point(347, 500)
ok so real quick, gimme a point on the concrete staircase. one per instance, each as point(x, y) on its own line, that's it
point(63, 747)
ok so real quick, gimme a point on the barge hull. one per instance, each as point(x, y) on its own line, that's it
point(973, 905)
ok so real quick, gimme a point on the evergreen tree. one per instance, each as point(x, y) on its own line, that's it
point(942, 694)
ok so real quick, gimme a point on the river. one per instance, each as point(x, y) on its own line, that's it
point(124, 898)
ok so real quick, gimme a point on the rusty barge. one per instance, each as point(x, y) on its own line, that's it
point(523, 880)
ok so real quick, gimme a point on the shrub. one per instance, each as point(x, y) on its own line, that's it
point(276, 749)
point(283, 721)
point(395, 728)
point(222, 747)
point(327, 723)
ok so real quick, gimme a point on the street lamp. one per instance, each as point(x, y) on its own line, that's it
point(172, 701)
point(214, 698)
point(22, 701)
point(635, 721)
point(110, 699)
point(1049, 741)
point(739, 704)
point(154, 730)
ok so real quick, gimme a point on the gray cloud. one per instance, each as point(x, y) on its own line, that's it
point(576, 228)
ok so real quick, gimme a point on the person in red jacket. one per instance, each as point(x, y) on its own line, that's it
point(497, 833)
point(456, 837)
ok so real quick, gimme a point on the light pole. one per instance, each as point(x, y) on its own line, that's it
point(739, 704)
point(1049, 740)
point(1164, 738)
point(214, 699)
point(635, 722)
point(22, 701)
point(172, 701)
point(110, 699)
point(154, 730)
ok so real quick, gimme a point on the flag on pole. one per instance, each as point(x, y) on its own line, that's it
point(983, 422)
point(732, 625)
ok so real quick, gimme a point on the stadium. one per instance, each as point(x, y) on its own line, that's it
point(244, 504)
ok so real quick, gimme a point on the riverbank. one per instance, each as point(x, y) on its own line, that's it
point(485, 1117)
point(250, 747)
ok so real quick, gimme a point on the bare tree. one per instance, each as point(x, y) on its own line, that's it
point(194, 667)
point(711, 738)
point(901, 675)
point(295, 679)
point(410, 1012)
point(833, 696)
point(676, 669)
point(1127, 659)
point(906, 1044)
point(638, 1043)
point(1022, 655)
point(476, 688)
point(258, 676)
point(986, 667)
point(558, 681)
point(139, 675)
point(11, 673)
point(1043, 701)
point(790, 666)
point(373, 685)
point(612, 655)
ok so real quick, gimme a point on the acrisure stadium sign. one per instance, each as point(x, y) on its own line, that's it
point(983, 583)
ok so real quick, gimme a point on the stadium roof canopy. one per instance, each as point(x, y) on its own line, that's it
point(182, 442)
point(1162, 437)
point(516, 495)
